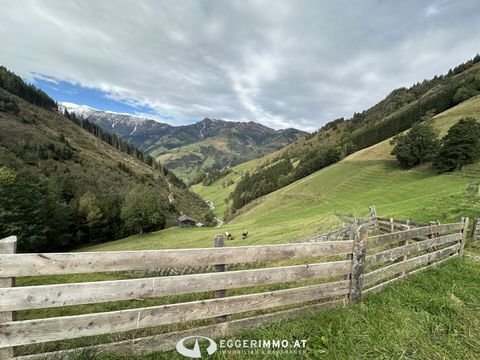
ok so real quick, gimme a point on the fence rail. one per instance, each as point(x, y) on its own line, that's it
point(373, 262)
point(75, 263)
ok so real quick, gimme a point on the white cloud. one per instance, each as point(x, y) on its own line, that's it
point(283, 63)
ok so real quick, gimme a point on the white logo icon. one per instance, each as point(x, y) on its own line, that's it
point(195, 353)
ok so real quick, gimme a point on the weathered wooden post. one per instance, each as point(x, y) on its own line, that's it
point(7, 246)
point(351, 236)
point(475, 228)
point(464, 235)
point(219, 242)
point(404, 243)
point(358, 263)
point(373, 216)
point(392, 227)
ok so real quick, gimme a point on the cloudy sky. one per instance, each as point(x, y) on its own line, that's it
point(295, 63)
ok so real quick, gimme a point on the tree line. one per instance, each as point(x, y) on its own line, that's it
point(421, 144)
point(400, 110)
point(14, 84)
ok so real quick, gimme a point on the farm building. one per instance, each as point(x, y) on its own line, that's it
point(186, 221)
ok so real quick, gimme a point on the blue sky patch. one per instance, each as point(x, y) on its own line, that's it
point(63, 91)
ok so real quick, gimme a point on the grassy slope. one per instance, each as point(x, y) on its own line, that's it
point(97, 166)
point(308, 206)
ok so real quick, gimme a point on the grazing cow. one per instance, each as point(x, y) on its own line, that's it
point(245, 235)
point(228, 235)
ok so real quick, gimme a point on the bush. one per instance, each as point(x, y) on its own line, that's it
point(416, 147)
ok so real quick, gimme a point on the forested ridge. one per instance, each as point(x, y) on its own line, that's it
point(396, 113)
point(62, 186)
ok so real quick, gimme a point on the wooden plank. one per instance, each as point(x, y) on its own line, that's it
point(385, 284)
point(396, 237)
point(388, 225)
point(18, 333)
point(358, 263)
point(410, 249)
point(400, 221)
point(464, 235)
point(7, 246)
point(71, 263)
point(375, 276)
point(58, 295)
point(167, 341)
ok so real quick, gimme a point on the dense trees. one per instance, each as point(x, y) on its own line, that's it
point(253, 186)
point(33, 210)
point(417, 146)
point(460, 146)
point(449, 91)
point(315, 161)
point(15, 85)
point(142, 210)
point(113, 140)
point(47, 217)
point(215, 175)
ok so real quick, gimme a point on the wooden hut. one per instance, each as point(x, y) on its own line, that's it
point(186, 221)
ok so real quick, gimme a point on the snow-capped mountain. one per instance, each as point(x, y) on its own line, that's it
point(227, 142)
point(139, 131)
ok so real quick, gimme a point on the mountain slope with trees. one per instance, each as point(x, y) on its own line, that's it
point(401, 109)
point(188, 150)
point(61, 186)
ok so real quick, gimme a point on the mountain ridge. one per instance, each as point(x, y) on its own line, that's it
point(209, 144)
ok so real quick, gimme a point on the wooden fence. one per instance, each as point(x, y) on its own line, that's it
point(347, 269)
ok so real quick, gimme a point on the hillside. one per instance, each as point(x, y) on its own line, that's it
point(429, 305)
point(189, 149)
point(309, 206)
point(71, 185)
point(342, 137)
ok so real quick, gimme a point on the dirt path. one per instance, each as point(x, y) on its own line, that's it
point(171, 199)
point(211, 205)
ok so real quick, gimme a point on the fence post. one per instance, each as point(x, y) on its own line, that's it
point(464, 235)
point(475, 228)
point(351, 236)
point(373, 216)
point(392, 227)
point(358, 263)
point(404, 243)
point(218, 242)
point(7, 246)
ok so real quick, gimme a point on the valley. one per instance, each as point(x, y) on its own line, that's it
point(308, 206)
point(239, 180)
point(191, 149)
